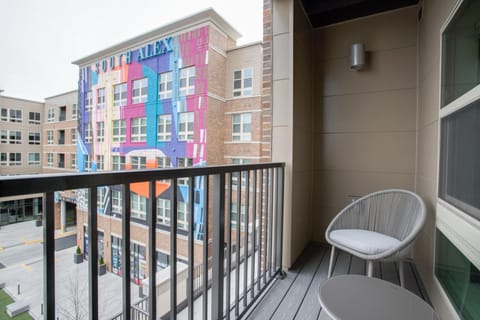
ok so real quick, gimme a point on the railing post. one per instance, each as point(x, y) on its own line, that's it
point(49, 256)
point(152, 263)
point(92, 254)
point(126, 251)
point(218, 240)
point(279, 214)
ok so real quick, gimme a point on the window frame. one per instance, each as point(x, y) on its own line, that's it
point(242, 135)
point(119, 125)
point(187, 75)
point(35, 116)
point(138, 131)
point(165, 84)
point(88, 133)
point(142, 95)
point(164, 127)
point(120, 97)
point(186, 126)
point(33, 162)
point(100, 131)
point(243, 90)
point(36, 138)
point(101, 98)
point(461, 229)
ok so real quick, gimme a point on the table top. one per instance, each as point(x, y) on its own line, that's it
point(359, 297)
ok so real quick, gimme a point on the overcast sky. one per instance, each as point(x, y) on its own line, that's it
point(40, 39)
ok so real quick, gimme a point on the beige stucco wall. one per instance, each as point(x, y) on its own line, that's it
point(365, 135)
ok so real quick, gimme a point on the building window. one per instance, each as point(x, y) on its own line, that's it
point(163, 211)
point(3, 159)
point(34, 117)
point(33, 158)
point(73, 134)
point(14, 159)
point(163, 162)
point(241, 127)
point(4, 114)
point(50, 137)
point(140, 90)
point(138, 206)
point(73, 160)
point(164, 132)
point(101, 199)
point(117, 201)
point(50, 159)
point(61, 136)
point(89, 101)
point(187, 81)
point(139, 130)
point(163, 260)
point(182, 213)
point(138, 162)
point(34, 138)
point(88, 133)
point(185, 126)
point(100, 162)
point(184, 163)
point(88, 163)
point(120, 95)
point(74, 112)
point(101, 98)
point(15, 137)
point(51, 115)
point(234, 216)
point(15, 115)
point(458, 204)
point(242, 82)
point(61, 160)
point(165, 85)
point(118, 163)
point(100, 131)
point(63, 113)
point(3, 136)
point(119, 131)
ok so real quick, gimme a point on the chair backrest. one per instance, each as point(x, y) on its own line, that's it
point(394, 212)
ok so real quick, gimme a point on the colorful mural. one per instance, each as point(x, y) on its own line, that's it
point(111, 121)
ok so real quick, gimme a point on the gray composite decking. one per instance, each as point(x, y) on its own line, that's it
point(295, 297)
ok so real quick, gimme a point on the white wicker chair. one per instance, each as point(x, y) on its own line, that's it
point(379, 226)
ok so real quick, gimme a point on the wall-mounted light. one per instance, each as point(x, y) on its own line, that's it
point(357, 56)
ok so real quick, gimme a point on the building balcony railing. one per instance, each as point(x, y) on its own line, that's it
point(240, 250)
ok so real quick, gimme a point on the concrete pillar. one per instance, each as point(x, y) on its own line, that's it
point(63, 215)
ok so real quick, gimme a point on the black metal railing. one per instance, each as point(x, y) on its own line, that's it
point(241, 242)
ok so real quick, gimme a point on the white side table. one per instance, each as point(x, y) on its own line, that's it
point(356, 297)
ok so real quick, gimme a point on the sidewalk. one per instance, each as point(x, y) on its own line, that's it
point(21, 254)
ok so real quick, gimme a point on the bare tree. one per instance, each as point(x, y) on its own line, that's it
point(75, 307)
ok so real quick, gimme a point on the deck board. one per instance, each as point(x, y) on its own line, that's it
point(295, 297)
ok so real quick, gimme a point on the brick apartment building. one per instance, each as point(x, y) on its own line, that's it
point(20, 153)
point(181, 95)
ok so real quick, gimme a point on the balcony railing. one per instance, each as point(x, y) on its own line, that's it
point(241, 253)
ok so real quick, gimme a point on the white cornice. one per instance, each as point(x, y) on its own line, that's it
point(205, 17)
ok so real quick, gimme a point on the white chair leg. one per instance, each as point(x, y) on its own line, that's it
point(401, 270)
point(332, 260)
point(370, 268)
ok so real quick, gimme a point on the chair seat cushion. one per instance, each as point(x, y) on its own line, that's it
point(364, 241)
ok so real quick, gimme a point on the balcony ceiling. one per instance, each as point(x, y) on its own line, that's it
point(325, 12)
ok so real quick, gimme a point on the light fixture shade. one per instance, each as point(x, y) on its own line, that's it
point(357, 56)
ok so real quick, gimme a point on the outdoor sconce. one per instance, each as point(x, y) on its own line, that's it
point(357, 56)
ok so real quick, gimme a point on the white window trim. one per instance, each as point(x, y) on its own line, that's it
point(165, 79)
point(143, 91)
point(165, 134)
point(242, 90)
point(122, 101)
point(242, 136)
point(122, 126)
point(459, 227)
point(186, 134)
point(139, 136)
point(189, 87)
